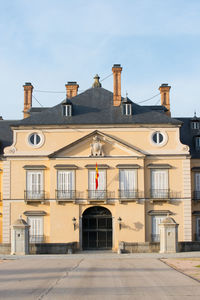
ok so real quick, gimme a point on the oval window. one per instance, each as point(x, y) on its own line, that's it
point(34, 139)
point(157, 137)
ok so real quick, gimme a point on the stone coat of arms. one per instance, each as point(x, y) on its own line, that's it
point(96, 147)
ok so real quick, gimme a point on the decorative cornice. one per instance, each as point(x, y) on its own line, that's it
point(159, 166)
point(34, 167)
point(65, 166)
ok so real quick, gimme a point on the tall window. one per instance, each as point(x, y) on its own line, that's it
point(197, 229)
point(128, 183)
point(156, 220)
point(100, 192)
point(67, 110)
point(197, 143)
point(197, 185)
point(127, 109)
point(159, 183)
point(65, 184)
point(34, 185)
point(36, 234)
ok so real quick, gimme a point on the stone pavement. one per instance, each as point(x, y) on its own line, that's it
point(94, 276)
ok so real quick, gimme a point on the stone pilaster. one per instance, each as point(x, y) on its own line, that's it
point(187, 210)
point(6, 204)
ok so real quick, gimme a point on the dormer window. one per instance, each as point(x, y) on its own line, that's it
point(126, 106)
point(67, 110)
point(195, 125)
point(127, 109)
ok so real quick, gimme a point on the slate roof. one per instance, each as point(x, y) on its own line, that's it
point(187, 135)
point(34, 110)
point(95, 106)
point(6, 135)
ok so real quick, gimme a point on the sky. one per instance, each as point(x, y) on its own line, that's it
point(49, 43)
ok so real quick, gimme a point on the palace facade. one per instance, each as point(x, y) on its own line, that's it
point(148, 167)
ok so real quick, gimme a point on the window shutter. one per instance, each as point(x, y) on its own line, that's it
point(128, 180)
point(159, 183)
point(34, 184)
point(92, 184)
point(36, 228)
point(197, 182)
point(156, 220)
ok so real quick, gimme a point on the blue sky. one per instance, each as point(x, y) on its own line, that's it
point(51, 42)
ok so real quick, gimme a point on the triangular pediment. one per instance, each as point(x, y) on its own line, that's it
point(98, 144)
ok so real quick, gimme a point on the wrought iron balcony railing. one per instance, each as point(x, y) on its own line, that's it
point(196, 195)
point(99, 194)
point(34, 195)
point(163, 194)
point(65, 195)
point(155, 238)
point(33, 239)
point(130, 194)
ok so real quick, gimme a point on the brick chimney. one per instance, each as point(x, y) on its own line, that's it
point(72, 89)
point(116, 69)
point(165, 99)
point(28, 89)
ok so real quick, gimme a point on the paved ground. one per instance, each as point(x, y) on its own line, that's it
point(87, 276)
point(189, 266)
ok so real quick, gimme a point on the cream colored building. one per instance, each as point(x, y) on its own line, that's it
point(146, 170)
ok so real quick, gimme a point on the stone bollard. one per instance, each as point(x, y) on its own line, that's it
point(168, 236)
point(20, 238)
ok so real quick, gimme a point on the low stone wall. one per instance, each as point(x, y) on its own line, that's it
point(188, 246)
point(139, 247)
point(5, 248)
point(53, 248)
point(44, 248)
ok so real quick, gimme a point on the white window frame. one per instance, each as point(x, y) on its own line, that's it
point(34, 188)
point(127, 109)
point(128, 189)
point(159, 183)
point(101, 192)
point(36, 231)
point(195, 125)
point(67, 110)
point(65, 190)
point(35, 133)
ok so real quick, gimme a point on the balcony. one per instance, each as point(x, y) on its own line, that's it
point(63, 195)
point(99, 195)
point(155, 238)
point(196, 195)
point(33, 239)
point(34, 196)
point(130, 195)
point(162, 195)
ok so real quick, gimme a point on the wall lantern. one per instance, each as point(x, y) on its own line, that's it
point(120, 223)
point(74, 222)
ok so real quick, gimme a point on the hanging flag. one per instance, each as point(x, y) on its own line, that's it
point(97, 177)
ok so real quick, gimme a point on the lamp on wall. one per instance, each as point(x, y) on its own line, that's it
point(120, 223)
point(74, 222)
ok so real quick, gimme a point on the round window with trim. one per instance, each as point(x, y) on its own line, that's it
point(35, 139)
point(158, 138)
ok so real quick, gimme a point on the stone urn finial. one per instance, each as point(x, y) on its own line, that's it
point(96, 82)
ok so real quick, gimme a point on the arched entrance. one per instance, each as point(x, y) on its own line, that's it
point(97, 228)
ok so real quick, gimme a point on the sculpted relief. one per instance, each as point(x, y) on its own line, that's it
point(96, 147)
